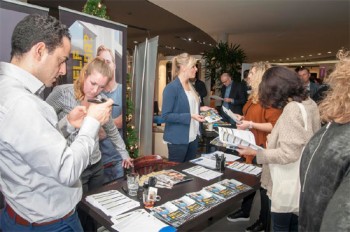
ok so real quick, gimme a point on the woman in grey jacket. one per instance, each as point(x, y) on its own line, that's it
point(325, 164)
point(282, 88)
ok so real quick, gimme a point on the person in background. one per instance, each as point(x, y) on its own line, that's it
point(233, 95)
point(112, 160)
point(200, 87)
point(325, 162)
point(39, 171)
point(282, 88)
point(304, 74)
point(92, 79)
point(259, 121)
point(180, 110)
point(245, 83)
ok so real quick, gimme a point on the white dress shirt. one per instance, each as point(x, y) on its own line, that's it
point(39, 172)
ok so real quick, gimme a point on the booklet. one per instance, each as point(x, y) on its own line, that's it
point(205, 198)
point(171, 177)
point(221, 190)
point(170, 213)
point(211, 116)
point(235, 185)
point(189, 205)
point(231, 115)
point(234, 137)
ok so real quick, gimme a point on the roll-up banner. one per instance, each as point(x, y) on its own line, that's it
point(88, 33)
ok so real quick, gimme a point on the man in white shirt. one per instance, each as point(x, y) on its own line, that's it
point(39, 171)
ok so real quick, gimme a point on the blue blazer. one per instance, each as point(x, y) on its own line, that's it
point(176, 113)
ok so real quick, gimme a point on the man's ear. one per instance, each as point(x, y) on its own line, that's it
point(39, 50)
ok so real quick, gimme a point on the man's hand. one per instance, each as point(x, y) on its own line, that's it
point(127, 163)
point(76, 116)
point(101, 112)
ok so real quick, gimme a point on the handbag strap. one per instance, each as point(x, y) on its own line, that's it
point(303, 113)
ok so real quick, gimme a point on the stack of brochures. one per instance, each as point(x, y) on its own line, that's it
point(145, 222)
point(166, 178)
point(178, 211)
point(112, 202)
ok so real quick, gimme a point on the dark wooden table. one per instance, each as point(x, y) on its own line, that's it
point(178, 191)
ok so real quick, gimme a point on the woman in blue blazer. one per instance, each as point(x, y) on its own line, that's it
point(180, 110)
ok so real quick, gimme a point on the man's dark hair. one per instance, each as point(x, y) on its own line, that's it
point(37, 28)
point(245, 73)
point(279, 85)
point(301, 68)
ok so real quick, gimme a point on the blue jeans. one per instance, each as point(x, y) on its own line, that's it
point(71, 223)
point(183, 152)
point(113, 171)
point(284, 222)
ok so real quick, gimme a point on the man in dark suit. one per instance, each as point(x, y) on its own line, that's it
point(200, 87)
point(233, 95)
point(304, 74)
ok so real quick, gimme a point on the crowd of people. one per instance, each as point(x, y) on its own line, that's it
point(73, 145)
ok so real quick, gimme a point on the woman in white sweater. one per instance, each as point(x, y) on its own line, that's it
point(281, 88)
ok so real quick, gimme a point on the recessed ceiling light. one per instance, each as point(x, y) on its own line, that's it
point(310, 55)
point(302, 56)
point(189, 39)
point(329, 52)
point(135, 42)
point(287, 58)
point(319, 53)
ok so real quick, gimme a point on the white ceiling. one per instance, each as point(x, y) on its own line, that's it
point(271, 30)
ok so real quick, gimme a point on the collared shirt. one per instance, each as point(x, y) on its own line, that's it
point(39, 171)
point(63, 100)
point(227, 95)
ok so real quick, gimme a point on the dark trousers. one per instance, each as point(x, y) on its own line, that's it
point(284, 222)
point(265, 214)
point(91, 178)
point(183, 152)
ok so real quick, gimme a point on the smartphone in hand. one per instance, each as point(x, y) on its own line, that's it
point(99, 100)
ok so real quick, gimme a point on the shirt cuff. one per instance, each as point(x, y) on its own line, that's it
point(89, 127)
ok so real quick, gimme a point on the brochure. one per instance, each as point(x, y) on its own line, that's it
point(189, 205)
point(171, 214)
point(211, 116)
point(202, 172)
point(205, 198)
point(235, 185)
point(221, 190)
point(229, 157)
point(234, 137)
point(231, 115)
point(171, 177)
point(216, 97)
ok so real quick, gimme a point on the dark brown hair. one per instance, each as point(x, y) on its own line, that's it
point(279, 86)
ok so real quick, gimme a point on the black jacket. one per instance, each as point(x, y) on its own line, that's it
point(238, 95)
point(324, 178)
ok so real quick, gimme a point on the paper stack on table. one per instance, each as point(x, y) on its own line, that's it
point(112, 202)
point(202, 172)
point(137, 220)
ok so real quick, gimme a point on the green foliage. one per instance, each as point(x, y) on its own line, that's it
point(224, 58)
point(96, 8)
point(131, 133)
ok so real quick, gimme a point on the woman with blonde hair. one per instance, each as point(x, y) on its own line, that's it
point(325, 163)
point(259, 121)
point(92, 79)
point(180, 110)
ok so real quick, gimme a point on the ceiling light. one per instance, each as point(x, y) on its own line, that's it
point(189, 39)
point(135, 42)
point(329, 52)
point(319, 53)
point(302, 56)
point(310, 55)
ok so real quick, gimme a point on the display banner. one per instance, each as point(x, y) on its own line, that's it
point(88, 33)
point(11, 12)
point(145, 63)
